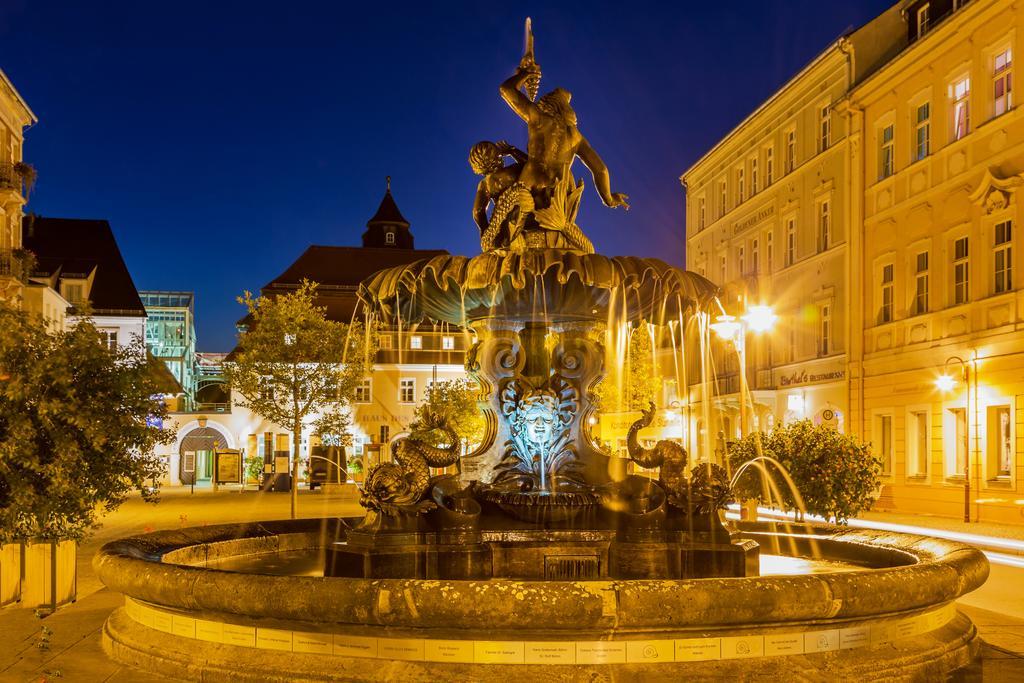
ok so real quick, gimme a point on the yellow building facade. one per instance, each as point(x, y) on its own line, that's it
point(767, 217)
point(942, 160)
point(15, 178)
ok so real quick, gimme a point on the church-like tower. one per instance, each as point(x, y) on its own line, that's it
point(388, 227)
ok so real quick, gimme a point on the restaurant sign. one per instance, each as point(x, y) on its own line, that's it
point(815, 376)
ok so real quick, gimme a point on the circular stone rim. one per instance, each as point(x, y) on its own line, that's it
point(135, 566)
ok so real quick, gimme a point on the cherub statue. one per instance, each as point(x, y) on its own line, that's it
point(500, 184)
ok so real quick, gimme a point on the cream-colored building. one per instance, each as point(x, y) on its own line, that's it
point(767, 218)
point(15, 117)
point(942, 162)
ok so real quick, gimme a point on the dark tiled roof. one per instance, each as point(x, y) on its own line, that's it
point(388, 212)
point(346, 267)
point(74, 246)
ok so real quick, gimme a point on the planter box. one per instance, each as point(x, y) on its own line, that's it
point(11, 557)
point(51, 577)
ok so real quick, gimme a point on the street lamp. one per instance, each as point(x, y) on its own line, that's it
point(758, 319)
point(945, 383)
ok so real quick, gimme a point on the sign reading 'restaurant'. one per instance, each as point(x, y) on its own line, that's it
point(802, 376)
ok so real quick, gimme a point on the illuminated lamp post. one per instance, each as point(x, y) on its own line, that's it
point(945, 383)
point(757, 319)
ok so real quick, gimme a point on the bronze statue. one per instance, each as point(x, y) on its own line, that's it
point(547, 218)
point(401, 487)
point(669, 456)
point(500, 184)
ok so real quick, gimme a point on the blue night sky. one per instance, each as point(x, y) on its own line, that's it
point(220, 139)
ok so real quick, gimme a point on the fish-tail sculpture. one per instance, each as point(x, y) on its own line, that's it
point(401, 487)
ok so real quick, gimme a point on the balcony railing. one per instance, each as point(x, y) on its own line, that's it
point(17, 176)
point(16, 263)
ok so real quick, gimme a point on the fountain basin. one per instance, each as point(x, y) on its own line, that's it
point(895, 619)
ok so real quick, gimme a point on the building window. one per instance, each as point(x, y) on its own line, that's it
point(824, 225)
point(108, 339)
point(883, 442)
point(1002, 82)
point(721, 198)
point(769, 166)
point(363, 394)
point(922, 132)
point(961, 271)
point(722, 265)
point(955, 442)
point(739, 186)
point(790, 150)
point(389, 238)
point(416, 342)
point(753, 176)
point(701, 212)
point(1002, 265)
point(385, 342)
point(825, 330)
point(960, 97)
point(73, 292)
point(755, 255)
point(448, 343)
point(824, 128)
point(922, 20)
point(1000, 442)
point(917, 443)
point(921, 284)
point(791, 240)
point(885, 312)
point(886, 145)
point(769, 249)
point(407, 390)
point(740, 261)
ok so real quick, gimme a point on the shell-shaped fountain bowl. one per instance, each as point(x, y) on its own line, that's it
point(554, 285)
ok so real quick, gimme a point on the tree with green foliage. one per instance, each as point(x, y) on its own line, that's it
point(292, 363)
point(639, 378)
point(455, 403)
point(78, 427)
point(835, 473)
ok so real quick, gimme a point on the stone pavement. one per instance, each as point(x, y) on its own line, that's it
point(71, 651)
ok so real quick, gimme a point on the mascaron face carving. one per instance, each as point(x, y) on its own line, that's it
point(540, 452)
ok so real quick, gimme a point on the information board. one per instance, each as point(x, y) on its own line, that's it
point(229, 467)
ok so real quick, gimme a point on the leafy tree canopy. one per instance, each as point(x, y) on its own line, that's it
point(292, 362)
point(453, 402)
point(74, 437)
point(836, 474)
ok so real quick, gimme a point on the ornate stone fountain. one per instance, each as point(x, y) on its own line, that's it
point(539, 560)
point(539, 490)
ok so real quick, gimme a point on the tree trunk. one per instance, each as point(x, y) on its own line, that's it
point(296, 443)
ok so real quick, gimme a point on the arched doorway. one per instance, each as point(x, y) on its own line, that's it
point(195, 461)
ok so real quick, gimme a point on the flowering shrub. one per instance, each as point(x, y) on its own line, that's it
point(835, 473)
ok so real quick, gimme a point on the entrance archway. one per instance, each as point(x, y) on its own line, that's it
point(195, 454)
